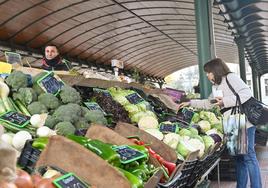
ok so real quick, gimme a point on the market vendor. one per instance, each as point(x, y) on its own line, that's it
point(52, 59)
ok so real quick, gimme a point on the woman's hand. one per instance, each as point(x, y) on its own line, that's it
point(183, 104)
point(219, 101)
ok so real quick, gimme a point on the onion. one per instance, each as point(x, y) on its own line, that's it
point(23, 179)
point(45, 183)
point(5, 184)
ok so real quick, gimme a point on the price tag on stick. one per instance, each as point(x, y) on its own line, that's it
point(13, 58)
point(50, 83)
point(173, 128)
point(128, 154)
point(15, 118)
point(134, 98)
point(69, 181)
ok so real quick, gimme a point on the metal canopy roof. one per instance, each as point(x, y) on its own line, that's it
point(248, 19)
point(156, 36)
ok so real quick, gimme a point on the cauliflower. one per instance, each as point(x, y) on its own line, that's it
point(36, 108)
point(69, 95)
point(64, 128)
point(68, 112)
point(25, 95)
point(49, 100)
point(17, 80)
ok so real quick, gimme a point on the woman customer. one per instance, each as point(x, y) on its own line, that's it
point(217, 72)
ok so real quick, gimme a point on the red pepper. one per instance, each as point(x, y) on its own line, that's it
point(169, 165)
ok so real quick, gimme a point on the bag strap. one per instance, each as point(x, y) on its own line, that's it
point(238, 100)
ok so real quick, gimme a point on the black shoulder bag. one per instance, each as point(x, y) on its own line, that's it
point(256, 111)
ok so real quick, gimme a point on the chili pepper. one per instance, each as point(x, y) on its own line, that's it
point(40, 143)
point(98, 147)
point(169, 165)
point(133, 180)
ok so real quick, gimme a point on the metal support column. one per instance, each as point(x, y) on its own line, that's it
point(205, 41)
point(259, 88)
point(240, 42)
point(255, 83)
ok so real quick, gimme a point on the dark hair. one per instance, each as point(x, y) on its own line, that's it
point(51, 45)
point(218, 68)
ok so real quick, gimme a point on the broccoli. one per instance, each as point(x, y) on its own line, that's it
point(64, 128)
point(69, 112)
point(17, 80)
point(37, 89)
point(85, 110)
point(96, 116)
point(25, 95)
point(82, 124)
point(36, 108)
point(49, 100)
point(51, 122)
point(69, 95)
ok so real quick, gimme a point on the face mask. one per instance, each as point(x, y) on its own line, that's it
point(53, 62)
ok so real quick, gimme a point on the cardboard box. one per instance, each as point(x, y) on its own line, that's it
point(109, 136)
point(160, 147)
point(72, 157)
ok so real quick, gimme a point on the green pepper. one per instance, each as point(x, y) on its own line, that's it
point(141, 171)
point(133, 180)
point(130, 165)
point(40, 143)
point(98, 147)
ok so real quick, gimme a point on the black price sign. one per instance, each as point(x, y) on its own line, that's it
point(128, 154)
point(187, 115)
point(105, 92)
point(134, 98)
point(50, 84)
point(69, 181)
point(15, 118)
point(94, 106)
point(12, 57)
point(173, 128)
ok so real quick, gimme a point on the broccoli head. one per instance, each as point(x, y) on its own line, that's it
point(17, 80)
point(36, 108)
point(85, 110)
point(96, 116)
point(64, 128)
point(38, 89)
point(69, 95)
point(25, 95)
point(82, 124)
point(49, 100)
point(69, 112)
point(51, 122)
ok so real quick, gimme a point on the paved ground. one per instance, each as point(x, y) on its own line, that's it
point(262, 154)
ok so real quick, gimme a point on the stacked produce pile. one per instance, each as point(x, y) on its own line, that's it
point(62, 114)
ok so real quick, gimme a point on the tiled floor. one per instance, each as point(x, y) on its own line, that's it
point(262, 154)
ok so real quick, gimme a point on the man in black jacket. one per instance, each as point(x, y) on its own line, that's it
point(52, 60)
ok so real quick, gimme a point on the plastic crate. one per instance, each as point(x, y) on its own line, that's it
point(261, 137)
point(181, 179)
point(197, 173)
point(227, 170)
point(28, 157)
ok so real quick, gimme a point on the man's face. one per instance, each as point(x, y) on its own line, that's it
point(51, 52)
